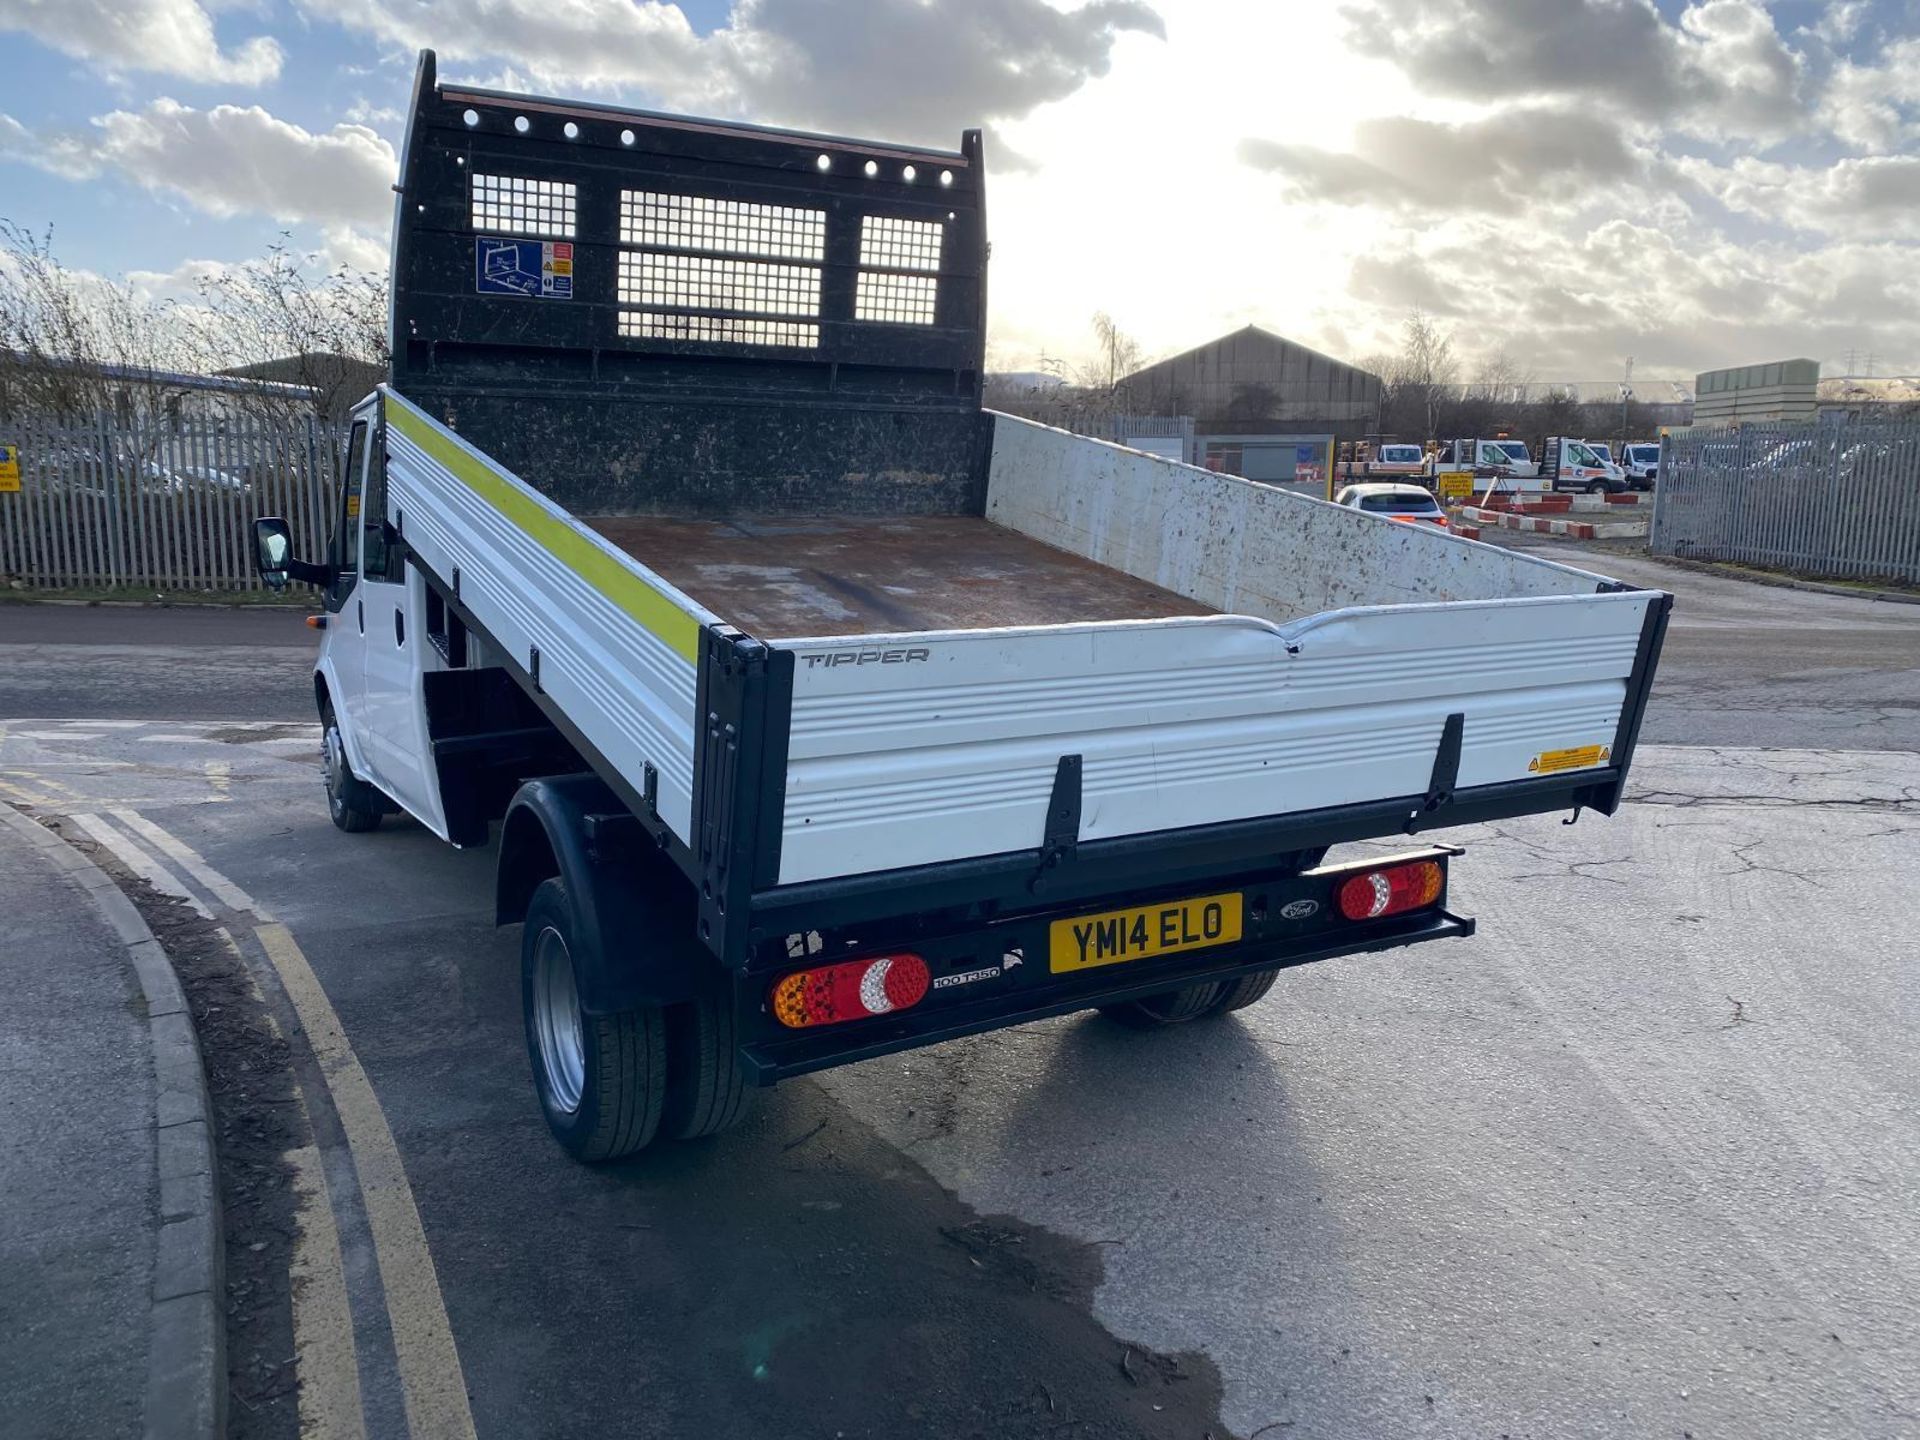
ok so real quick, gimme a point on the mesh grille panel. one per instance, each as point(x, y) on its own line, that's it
point(897, 299)
point(894, 244)
point(510, 206)
point(698, 282)
point(695, 222)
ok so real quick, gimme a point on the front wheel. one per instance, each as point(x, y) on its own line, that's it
point(602, 1079)
point(1597, 487)
point(353, 804)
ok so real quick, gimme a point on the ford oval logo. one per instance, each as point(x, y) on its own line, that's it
point(1299, 909)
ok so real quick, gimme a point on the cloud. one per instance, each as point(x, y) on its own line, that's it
point(1875, 107)
point(922, 70)
point(1723, 71)
point(167, 37)
point(909, 69)
point(1497, 164)
point(1574, 306)
point(228, 160)
point(1864, 197)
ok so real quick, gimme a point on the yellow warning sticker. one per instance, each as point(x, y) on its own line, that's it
point(9, 469)
point(1549, 761)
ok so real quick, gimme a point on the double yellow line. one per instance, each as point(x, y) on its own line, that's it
point(432, 1384)
point(431, 1380)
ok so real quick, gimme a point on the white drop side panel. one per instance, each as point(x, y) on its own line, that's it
point(1237, 545)
point(616, 642)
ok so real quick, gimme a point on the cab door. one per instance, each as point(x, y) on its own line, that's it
point(395, 652)
point(342, 656)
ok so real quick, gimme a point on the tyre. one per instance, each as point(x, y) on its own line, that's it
point(1238, 994)
point(602, 1079)
point(707, 1092)
point(1597, 487)
point(1176, 1007)
point(355, 806)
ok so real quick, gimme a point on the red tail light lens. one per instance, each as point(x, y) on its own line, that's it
point(1393, 890)
point(850, 990)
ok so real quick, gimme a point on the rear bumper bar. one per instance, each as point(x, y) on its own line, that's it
point(782, 1058)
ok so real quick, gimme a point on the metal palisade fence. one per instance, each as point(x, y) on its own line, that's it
point(149, 502)
point(1836, 500)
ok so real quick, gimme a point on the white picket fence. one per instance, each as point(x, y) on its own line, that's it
point(148, 503)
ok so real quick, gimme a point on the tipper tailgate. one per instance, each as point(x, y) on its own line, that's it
point(909, 750)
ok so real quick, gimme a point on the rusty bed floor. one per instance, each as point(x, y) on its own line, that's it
point(786, 577)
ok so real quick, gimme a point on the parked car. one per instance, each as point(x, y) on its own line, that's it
point(161, 478)
point(1641, 461)
point(1396, 502)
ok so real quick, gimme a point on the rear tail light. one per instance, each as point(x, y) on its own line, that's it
point(1391, 890)
point(850, 990)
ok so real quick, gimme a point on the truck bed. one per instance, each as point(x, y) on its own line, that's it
point(788, 577)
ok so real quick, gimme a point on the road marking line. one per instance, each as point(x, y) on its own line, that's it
point(56, 735)
point(430, 1376)
point(27, 797)
point(323, 1346)
point(47, 782)
point(189, 860)
point(220, 777)
point(139, 862)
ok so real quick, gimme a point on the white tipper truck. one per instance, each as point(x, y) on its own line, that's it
point(815, 712)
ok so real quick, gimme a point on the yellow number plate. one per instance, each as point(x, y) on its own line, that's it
point(1089, 940)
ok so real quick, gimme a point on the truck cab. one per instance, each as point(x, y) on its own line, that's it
point(1569, 464)
point(1641, 462)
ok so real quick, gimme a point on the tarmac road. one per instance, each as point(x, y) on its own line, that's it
point(182, 662)
point(1749, 664)
point(1638, 1159)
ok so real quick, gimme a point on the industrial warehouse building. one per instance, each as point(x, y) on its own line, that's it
point(1253, 380)
point(1261, 404)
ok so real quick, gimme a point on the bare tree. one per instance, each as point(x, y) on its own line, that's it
point(1426, 367)
point(1118, 353)
point(284, 318)
point(72, 343)
point(1092, 388)
point(1501, 379)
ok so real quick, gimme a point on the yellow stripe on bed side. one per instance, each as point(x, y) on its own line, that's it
point(653, 611)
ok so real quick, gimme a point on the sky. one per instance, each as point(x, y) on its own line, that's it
point(1567, 183)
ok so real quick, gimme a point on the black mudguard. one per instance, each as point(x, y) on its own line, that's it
point(635, 915)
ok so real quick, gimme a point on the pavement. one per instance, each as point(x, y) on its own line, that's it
point(111, 1241)
point(1640, 1158)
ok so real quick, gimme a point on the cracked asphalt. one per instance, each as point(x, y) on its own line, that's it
point(1639, 1159)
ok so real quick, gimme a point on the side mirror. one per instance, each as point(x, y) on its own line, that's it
point(272, 550)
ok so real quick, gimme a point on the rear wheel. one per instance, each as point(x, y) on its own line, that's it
point(602, 1079)
point(354, 805)
point(1175, 1007)
point(1597, 487)
point(706, 1090)
point(1238, 994)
